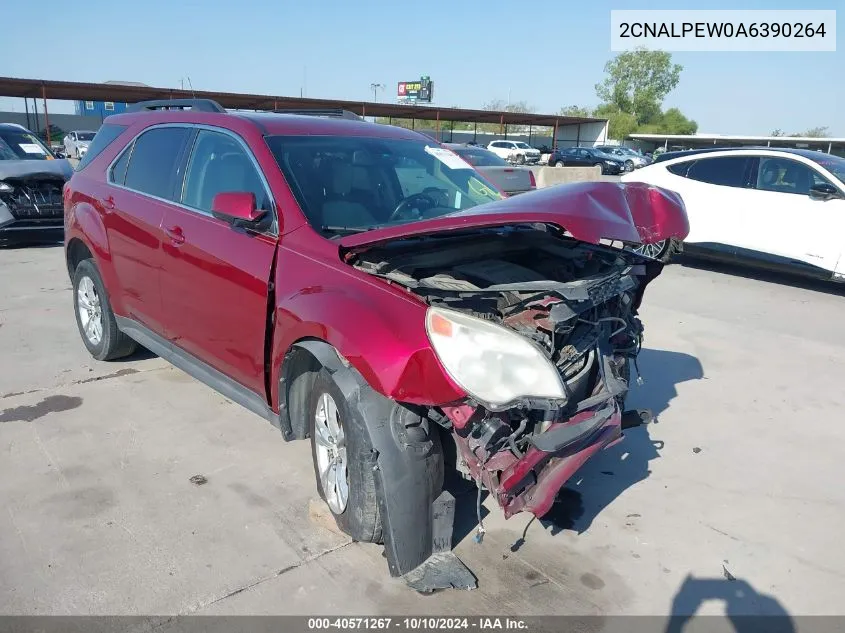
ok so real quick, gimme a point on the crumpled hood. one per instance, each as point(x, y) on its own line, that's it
point(29, 168)
point(589, 211)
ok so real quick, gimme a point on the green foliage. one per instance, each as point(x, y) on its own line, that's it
point(816, 132)
point(620, 124)
point(574, 110)
point(637, 82)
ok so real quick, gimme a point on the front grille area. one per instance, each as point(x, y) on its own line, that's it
point(34, 198)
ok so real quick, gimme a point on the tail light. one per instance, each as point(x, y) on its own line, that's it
point(531, 179)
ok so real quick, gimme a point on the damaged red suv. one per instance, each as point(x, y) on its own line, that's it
point(360, 285)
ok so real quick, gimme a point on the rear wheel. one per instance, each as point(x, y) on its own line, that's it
point(342, 450)
point(94, 316)
point(559, 163)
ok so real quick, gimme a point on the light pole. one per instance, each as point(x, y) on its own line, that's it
point(375, 88)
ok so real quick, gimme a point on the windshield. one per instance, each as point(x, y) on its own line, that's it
point(834, 164)
point(522, 145)
point(85, 136)
point(478, 157)
point(18, 144)
point(346, 184)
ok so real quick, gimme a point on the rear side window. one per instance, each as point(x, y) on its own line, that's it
point(728, 171)
point(104, 137)
point(152, 166)
point(680, 169)
point(118, 170)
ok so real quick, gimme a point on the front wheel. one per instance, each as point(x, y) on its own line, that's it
point(342, 453)
point(520, 159)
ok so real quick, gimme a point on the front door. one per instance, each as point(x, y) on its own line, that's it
point(215, 278)
point(789, 222)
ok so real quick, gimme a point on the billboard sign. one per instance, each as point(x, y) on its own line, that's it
point(420, 90)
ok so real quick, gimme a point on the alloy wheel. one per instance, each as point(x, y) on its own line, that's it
point(90, 310)
point(654, 250)
point(330, 444)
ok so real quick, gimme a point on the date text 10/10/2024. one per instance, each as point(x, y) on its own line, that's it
point(422, 623)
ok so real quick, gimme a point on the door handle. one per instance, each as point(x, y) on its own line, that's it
point(175, 234)
point(108, 203)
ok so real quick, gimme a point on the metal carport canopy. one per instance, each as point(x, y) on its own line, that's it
point(72, 91)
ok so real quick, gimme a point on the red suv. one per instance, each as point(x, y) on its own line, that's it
point(362, 286)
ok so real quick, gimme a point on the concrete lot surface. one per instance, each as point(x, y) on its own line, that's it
point(734, 500)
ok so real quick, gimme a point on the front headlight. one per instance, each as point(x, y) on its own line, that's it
point(6, 187)
point(491, 363)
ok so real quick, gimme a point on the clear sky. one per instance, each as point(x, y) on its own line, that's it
point(548, 54)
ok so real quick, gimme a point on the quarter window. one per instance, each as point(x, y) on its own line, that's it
point(118, 170)
point(220, 164)
point(153, 165)
point(728, 171)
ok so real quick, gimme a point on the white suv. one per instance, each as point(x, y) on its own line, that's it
point(783, 208)
point(515, 152)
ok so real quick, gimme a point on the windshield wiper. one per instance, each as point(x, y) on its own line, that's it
point(348, 230)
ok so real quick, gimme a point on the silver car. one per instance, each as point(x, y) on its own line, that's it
point(633, 159)
point(77, 142)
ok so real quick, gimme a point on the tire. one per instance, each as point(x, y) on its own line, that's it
point(602, 167)
point(111, 343)
point(629, 165)
point(359, 516)
point(520, 159)
point(559, 163)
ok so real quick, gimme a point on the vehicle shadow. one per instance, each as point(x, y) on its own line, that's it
point(140, 353)
point(746, 610)
point(612, 471)
point(759, 274)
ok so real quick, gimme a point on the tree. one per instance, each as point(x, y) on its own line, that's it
point(637, 82)
point(574, 110)
point(778, 132)
point(816, 132)
point(674, 122)
point(620, 124)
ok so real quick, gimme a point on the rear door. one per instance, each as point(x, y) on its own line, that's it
point(718, 197)
point(141, 186)
point(215, 278)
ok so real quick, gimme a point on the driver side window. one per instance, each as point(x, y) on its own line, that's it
point(783, 175)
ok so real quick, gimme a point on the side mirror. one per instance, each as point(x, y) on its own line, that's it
point(237, 208)
point(824, 191)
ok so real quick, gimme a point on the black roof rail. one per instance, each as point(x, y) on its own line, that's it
point(200, 105)
point(338, 113)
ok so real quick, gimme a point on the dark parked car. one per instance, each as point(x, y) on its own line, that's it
point(359, 285)
point(510, 179)
point(587, 157)
point(31, 181)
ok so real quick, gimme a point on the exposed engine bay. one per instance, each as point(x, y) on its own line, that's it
point(576, 302)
